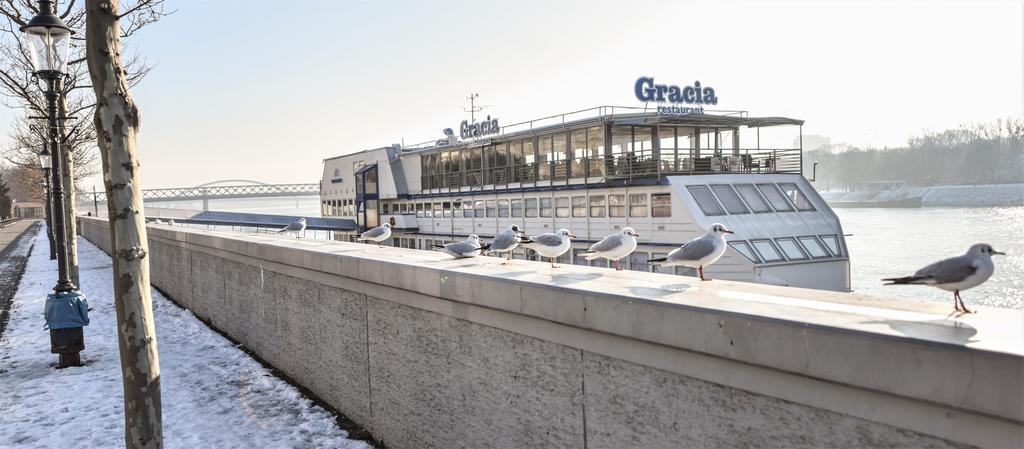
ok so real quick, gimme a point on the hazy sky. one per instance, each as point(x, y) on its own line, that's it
point(263, 90)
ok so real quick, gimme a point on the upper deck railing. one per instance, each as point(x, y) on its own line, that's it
point(598, 112)
point(552, 121)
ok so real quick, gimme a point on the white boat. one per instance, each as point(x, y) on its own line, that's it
point(595, 171)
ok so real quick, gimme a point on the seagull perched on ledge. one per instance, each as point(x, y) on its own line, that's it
point(505, 242)
point(466, 248)
point(613, 247)
point(296, 226)
point(956, 273)
point(550, 245)
point(699, 252)
point(378, 234)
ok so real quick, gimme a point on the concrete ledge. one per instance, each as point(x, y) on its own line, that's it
point(898, 363)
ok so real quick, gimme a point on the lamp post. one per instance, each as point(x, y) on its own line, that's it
point(66, 310)
point(46, 163)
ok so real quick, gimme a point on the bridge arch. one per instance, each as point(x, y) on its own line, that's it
point(227, 181)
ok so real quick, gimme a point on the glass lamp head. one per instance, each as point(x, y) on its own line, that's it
point(45, 159)
point(48, 40)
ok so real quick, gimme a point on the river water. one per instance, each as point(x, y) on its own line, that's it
point(897, 242)
point(884, 243)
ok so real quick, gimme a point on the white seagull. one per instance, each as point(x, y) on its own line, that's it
point(613, 247)
point(466, 248)
point(956, 273)
point(551, 244)
point(699, 252)
point(505, 241)
point(296, 226)
point(378, 234)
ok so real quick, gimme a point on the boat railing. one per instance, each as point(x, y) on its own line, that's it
point(606, 111)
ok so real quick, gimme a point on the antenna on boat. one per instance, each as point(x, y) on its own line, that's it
point(473, 108)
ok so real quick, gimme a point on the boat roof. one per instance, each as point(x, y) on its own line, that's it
point(616, 115)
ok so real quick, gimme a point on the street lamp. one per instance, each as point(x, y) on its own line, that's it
point(46, 163)
point(66, 310)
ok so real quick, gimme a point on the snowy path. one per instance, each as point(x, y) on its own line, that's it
point(214, 395)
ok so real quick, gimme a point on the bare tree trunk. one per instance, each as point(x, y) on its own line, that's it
point(67, 168)
point(117, 122)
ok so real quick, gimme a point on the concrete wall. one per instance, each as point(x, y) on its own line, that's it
point(425, 351)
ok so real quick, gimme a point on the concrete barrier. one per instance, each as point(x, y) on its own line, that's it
point(426, 351)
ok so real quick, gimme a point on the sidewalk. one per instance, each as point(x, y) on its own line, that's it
point(15, 241)
point(214, 395)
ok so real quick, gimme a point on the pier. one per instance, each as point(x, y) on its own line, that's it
point(425, 351)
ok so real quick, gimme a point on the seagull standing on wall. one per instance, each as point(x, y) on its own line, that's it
point(550, 245)
point(378, 234)
point(613, 247)
point(296, 226)
point(699, 252)
point(505, 241)
point(956, 273)
point(466, 248)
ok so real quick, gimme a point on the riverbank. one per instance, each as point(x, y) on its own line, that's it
point(982, 195)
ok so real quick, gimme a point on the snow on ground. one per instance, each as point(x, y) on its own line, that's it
point(214, 395)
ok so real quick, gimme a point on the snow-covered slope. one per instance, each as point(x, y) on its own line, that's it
point(214, 395)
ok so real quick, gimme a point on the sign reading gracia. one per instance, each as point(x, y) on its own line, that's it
point(647, 91)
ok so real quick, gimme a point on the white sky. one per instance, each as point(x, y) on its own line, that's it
point(253, 90)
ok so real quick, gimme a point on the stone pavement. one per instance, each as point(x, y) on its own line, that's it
point(15, 243)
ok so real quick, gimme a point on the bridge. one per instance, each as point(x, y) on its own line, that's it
point(216, 190)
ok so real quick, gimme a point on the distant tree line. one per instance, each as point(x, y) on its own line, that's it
point(989, 153)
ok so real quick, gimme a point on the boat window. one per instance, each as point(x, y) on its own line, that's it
point(813, 247)
point(467, 207)
point(661, 205)
point(578, 142)
point(558, 154)
point(595, 150)
point(744, 248)
point(515, 152)
point(642, 157)
point(419, 210)
point(428, 210)
point(544, 158)
point(729, 199)
point(457, 209)
point(491, 210)
point(531, 207)
point(775, 197)
point(597, 206)
point(637, 204)
point(503, 211)
point(638, 261)
point(545, 207)
point(447, 205)
point(616, 206)
point(562, 207)
point(832, 242)
point(437, 210)
point(385, 208)
point(478, 209)
point(579, 206)
point(796, 196)
point(791, 248)
point(622, 142)
point(529, 163)
point(517, 208)
point(753, 199)
point(705, 200)
point(767, 251)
